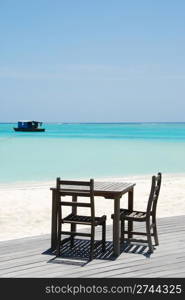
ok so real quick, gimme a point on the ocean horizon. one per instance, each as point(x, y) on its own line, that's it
point(83, 150)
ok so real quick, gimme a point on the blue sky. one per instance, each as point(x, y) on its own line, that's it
point(85, 61)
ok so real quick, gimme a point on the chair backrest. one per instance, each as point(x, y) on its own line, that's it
point(75, 189)
point(154, 194)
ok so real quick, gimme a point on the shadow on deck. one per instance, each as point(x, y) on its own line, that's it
point(79, 254)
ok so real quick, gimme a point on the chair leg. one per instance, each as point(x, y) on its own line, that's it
point(73, 228)
point(103, 236)
point(149, 238)
point(92, 243)
point(130, 229)
point(122, 231)
point(59, 238)
point(59, 227)
point(155, 232)
point(129, 226)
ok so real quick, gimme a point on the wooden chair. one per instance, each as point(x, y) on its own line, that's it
point(78, 189)
point(148, 216)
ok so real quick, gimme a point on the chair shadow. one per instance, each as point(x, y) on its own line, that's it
point(79, 253)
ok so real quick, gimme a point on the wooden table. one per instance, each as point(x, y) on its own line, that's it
point(108, 190)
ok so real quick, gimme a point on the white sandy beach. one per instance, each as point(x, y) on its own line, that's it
point(25, 208)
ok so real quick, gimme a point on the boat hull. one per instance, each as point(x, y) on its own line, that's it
point(30, 129)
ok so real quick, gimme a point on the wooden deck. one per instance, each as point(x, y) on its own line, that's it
point(28, 257)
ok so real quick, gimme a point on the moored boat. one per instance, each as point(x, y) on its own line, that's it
point(29, 126)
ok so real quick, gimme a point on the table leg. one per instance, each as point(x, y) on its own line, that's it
point(130, 207)
point(116, 229)
point(73, 226)
point(54, 221)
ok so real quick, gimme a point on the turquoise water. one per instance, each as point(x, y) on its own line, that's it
point(91, 150)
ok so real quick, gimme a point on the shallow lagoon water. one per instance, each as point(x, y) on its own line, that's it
point(91, 150)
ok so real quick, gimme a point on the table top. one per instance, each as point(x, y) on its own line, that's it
point(103, 188)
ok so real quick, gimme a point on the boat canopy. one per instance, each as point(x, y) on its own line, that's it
point(29, 124)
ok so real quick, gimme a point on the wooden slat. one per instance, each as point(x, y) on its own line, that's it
point(139, 215)
point(133, 214)
point(76, 222)
point(74, 182)
point(80, 204)
point(75, 233)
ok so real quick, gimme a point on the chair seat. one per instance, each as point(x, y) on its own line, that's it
point(125, 214)
point(86, 220)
